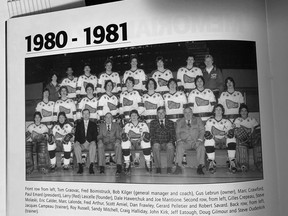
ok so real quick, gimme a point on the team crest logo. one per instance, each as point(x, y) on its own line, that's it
point(64, 109)
point(46, 113)
point(71, 89)
point(162, 82)
point(137, 81)
point(90, 108)
point(173, 105)
point(85, 84)
point(133, 135)
point(217, 132)
point(58, 136)
point(213, 76)
point(188, 79)
point(111, 106)
point(150, 106)
point(127, 102)
point(231, 104)
point(201, 101)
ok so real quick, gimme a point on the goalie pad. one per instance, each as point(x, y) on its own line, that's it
point(257, 156)
point(146, 137)
point(28, 135)
point(124, 137)
point(42, 157)
point(241, 134)
point(208, 135)
point(230, 133)
point(29, 158)
point(67, 138)
point(242, 156)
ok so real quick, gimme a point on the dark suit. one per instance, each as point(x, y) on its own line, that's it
point(83, 142)
point(109, 140)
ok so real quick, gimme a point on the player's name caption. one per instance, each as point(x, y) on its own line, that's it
point(199, 202)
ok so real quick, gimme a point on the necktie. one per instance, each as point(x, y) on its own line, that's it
point(162, 123)
point(108, 128)
point(86, 126)
point(189, 124)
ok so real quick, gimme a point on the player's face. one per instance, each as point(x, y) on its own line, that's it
point(218, 112)
point(108, 118)
point(86, 115)
point(188, 114)
point(134, 62)
point(134, 117)
point(129, 84)
point(161, 114)
point(208, 62)
point(108, 66)
point(89, 91)
point(63, 92)
point(54, 78)
point(244, 113)
point(172, 86)
point(230, 84)
point(87, 69)
point(199, 83)
point(37, 119)
point(160, 64)
point(151, 85)
point(109, 87)
point(61, 119)
point(69, 71)
point(190, 60)
point(46, 94)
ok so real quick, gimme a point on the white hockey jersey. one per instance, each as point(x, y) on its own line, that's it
point(139, 77)
point(218, 129)
point(114, 77)
point(186, 77)
point(151, 103)
point(135, 132)
point(248, 124)
point(175, 104)
point(46, 110)
point(71, 85)
point(107, 104)
point(67, 106)
point(162, 79)
point(231, 103)
point(202, 103)
point(82, 82)
point(60, 132)
point(90, 104)
point(34, 130)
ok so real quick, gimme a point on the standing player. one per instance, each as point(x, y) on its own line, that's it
point(129, 100)
point(83, 80)
point(108, 102)
point(60, 139)
point(46, 107)
point(136, 135)
point(213, 76)
point(201, 100)
point(174, 101)
point(138, 75)
point(36, 137)
point(151, 100)
point(53, 87)
point(244, 127)
point(66, 105)
point(89, 102)
point(161, 76)
point(71, 82)
point(186, 75)
point(218, 131)
point(231, 100)
point(109, 75)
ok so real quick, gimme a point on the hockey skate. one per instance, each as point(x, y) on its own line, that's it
point(148, 165)
point(212, 166)
point(233, 168)
point(127, 167)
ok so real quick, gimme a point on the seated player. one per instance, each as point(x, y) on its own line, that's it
point(138, 75)
point(71, 82)
point(82, 82)
point(163, 137)
point(36, 138)
point(244, 128)
point(61, 140)
point(175, 101)
point(219, 130)
point(151, 100)
point(85, 139)
point(201, 100)
point(46, 107)
point(89, 102)
point(190, 135)
point(129, 100)
point(231, 100)
point(109, 138)
point(136, 135)
point(109, 75)
point(186, 75)
point(161, 76)
point(108, 102)
point(66, 105)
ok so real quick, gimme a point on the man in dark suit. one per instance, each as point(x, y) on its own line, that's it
point(163, 137)
point(190, 135)
point(109, 138)
point(85, 138)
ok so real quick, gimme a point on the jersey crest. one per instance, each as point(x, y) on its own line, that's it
point(112, 106)
point(188, 79)
point(90, 108)
point(216, 131)
point(162, 82)
point(136, 81)
point(71, 89)
point(46, 113)
point(127, 102)
point(85, 84)
point(134, 135)
point(173, 105)
point(201, 101)
point(58, 136)
point(231, 104)
point(150, 106)
point(64, 109)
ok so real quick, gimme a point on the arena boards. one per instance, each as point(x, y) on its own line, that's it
point(149, 29)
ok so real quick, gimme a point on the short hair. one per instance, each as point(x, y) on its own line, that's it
point(209, 56)
point(62, 114)
point(46, 89)
point(106, 83)
point(63, 87)
point(89, 85)
point(161, 108)
point(231, 80)
point(199, 77)
point(87, 64)
point(131, 79)
point(172, 80)
point(154, 82)
point(134, 111)
point(108, 113)
point(159, 58)
point(133, 56)
point(108, 61)
point(190, 55)
point(243, 106)
point(218, 105)
point(85, 110)
point(37, 113)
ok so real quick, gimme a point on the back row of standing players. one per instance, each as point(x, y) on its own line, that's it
point(194, 88)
